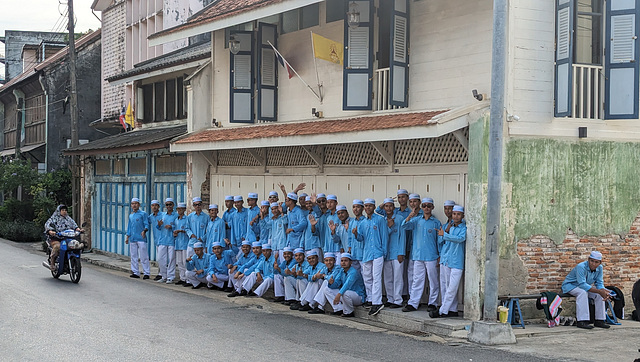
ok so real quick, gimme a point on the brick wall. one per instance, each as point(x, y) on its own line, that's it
point(113, 58)
point(548, 264)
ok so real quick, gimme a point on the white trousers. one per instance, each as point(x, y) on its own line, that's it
point(582, 304)
point(372, 275)
point(310, 292)
point(449, 295)
point(190, 252)
point(422, 269)
point(445, 276)
point(264, 286)
point(290, 288)
point(393, 281)
point(278, 285)
point(181, 260)
point(237, 283)
point(139, 250)
point(326, 294)
point(193, 279)
point(350, 299)
point(357, 265)
point(167, 261)
point(221, 279)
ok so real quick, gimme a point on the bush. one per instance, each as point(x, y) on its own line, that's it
point(51, 190)
point(21, 231)
point(14, 209)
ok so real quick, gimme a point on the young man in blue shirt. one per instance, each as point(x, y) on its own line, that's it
point(352, 291)
point(180, 225)
point(394, 260)
point(218, 270)
point(197, 225)
point(197, 266)
point(155, 218)
point(167, 244)
point(326, 292)
point(137, 239)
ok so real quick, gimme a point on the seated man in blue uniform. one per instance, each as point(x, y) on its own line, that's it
point(197, 266)
point(260, 275)
point(326, 272)
point(218, 270)
point(585, 282)
point(352, 292)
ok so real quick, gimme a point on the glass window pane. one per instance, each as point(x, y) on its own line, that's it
point(588, 40)
point(590, 6)
point(138, 166)
point(103, 167)
point(290, 21)
point(171, 164)
point(118, 167)
point(310, 16)
point(335, 10)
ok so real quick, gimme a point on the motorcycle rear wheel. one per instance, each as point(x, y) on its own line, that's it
point(75, 270)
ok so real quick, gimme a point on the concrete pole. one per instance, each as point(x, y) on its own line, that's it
point(73, 108)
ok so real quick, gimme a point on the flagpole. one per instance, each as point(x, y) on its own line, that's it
point(294, 71)
point(315, 64)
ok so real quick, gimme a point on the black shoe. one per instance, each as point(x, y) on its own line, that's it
point(431, 307)
point(145, 277)
point(180, 282)
point(158, 277)
point(243, 293)
point(305, 308)
point(251, 294)
point(584, 325)
point(375, 309)
point(367, 305)
point(213, 287)
point(295, 306)
point(135, 276)
point(387, 304)
point(601, 324)
point(228, 289)
point(197, 286)
point(394, 306)
point(337, 313)
point(452, 314)
point(409, 308)
point(288, 302)
point(435, 314)
point(185, 284)
point(233, 294)
point(316, 310)
point(278, 300)
point(348, 315)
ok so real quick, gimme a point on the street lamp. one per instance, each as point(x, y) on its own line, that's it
point(353, 16)
point(234, 45)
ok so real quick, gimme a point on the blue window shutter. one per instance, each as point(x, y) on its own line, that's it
point(241, 79)
point(267, 73)
point(622, 56)
point(399, 72)
point(564, 57)
point(358, 59)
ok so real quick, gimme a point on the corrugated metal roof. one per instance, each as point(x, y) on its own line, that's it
point(180, 56)
point(115, 143)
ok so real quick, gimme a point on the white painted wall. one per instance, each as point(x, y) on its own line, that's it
point(176, 12)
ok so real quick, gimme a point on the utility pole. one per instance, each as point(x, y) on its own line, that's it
point(73, 101)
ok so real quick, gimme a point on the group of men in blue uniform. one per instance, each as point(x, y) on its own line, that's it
point(309, 250)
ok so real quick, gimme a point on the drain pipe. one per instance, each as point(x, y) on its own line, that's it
point(46, 122)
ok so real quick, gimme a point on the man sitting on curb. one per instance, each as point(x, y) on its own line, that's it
point(585, 282)
point(352, 291)
point(197, 265)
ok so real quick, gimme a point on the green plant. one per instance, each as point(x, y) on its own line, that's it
point(21, 231)
point(51, 190)
point(16, 210)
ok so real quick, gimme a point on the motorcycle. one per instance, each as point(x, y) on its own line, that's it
point(68, 261)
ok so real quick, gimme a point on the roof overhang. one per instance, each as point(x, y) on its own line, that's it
point(186, 30)
point(439, 125)
point(163, 71)
point(23, 149)
point(100, 5)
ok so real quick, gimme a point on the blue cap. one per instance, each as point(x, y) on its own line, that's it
point(388, 200)
point(414, 197)
point(238, 198)
point(198, 244)
point(329, 255)
point(312, 253)
point(346, 255)
point(196, 199)
point(135, 199)
point(213, 206)
point(292, 196)
point(228, 198)
point(332, 197)
point(596, 255)
point(298, 251)
point(341, 208)
point(403, 192)
point(458, 208)
point(304, 194)
point(449, 203)
point(358, 202)
point(168, 199)
point(274, 204)
point(252, 195)
point(182, 205)
point(321, 196)
point(287, 249)
point(256, 244)
point(266, 246)
point(369, 201)
point(427, 200)
point(216, 243)
point(273, 193)
point(155, 202)
point(264, 203)
point(246, 242)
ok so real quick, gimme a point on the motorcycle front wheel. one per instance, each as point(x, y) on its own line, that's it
point(75, 269)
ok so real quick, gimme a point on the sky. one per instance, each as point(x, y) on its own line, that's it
point(44, 15)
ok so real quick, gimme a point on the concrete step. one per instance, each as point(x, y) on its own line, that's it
point(416, 321)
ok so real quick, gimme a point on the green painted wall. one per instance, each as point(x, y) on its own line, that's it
point(591, 187)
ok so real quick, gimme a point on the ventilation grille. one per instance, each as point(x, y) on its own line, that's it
point(353, 154)
point(289, 156)
point(236, 158)
point(445, 149)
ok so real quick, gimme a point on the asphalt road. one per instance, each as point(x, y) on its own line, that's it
point(109, 316)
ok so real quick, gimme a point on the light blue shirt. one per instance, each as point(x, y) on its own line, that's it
point(265, 267)
point(244, 261)
point(227, 217)
point(397, 242)
point(215, 233)
point(278, 228)
point(299, 266)
point(425, 237)
point(220, 265)
point(582, 277)
point(263, 229)
point(297, 222)
point(197, 225)
point(138, 222)
point(251, 214)
point(182, 240)
point(166, 234)
point(198, 263)
point(453, 242)
point(239, 227)
point(311, 238)
point(373, 231)
point(156, 230)
point(313, 270)
point(330, 245)
point(350, 280)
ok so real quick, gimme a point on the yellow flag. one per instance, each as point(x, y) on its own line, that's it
point(128, 116)
point(327, 49)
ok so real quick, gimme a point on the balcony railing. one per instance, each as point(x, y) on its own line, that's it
point(381, 87)
point(588, 91)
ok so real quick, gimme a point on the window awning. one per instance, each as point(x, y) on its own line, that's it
point(225, 13)
point(12, 151)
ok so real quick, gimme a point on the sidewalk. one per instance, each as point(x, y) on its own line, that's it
point(569, 343)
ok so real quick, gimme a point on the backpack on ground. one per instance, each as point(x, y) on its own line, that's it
point(617, 301)
point(635, 296)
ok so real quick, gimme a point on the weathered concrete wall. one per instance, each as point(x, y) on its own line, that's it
point(15, 40)
point(113, 59)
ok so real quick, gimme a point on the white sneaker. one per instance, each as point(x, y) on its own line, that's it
point(163, 280)
point(169, 281)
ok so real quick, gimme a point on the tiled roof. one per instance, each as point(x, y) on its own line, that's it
point(381, 122)
point(218, 10)
point(184, 55)
point(140, 137)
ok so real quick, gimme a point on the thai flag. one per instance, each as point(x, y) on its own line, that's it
point(122, 118)
point(283, 62)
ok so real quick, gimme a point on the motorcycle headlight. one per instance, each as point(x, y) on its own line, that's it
point(74, 244)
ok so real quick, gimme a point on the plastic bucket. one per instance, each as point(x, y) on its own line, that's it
point(503, 314)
